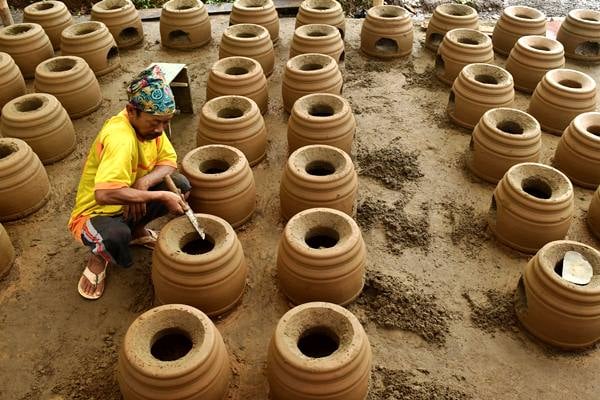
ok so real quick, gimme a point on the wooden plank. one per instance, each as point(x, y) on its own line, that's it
point(283, 7)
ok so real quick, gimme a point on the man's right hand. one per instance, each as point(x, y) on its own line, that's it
point(174, 202)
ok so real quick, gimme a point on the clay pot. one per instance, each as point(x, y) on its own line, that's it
point(71, 80)
point(318, 38)
point(248, 40)
point(7, 253)
point(241, 76)
point(531, 206)
point(12, 83)
point(40, 120)
point(459, 48)
point(387, 32)
point(502, 138)
point(447, 17)
point(580, 34)
point(554, 310)
point(234, 121)
point(321, 118)
point(27, 44)
point(122, 20)
point(593, 217)
point(318, 176)
point(24, 185)
point(478, 88)
point(259, 12)
point(93, 42)
point(184, 24)
point(176, 352)
point(319, 350)
point(327, 12)
point(309, 73)
point(222, 183)
point(514, 22)
point(52, 15)
point(209, 274)
point(531, 58)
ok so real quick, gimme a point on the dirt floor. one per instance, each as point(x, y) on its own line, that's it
point(437, 301)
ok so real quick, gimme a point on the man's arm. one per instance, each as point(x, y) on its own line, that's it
point(154, 177)
point(126, 195)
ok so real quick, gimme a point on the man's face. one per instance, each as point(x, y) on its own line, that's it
point(147, 126)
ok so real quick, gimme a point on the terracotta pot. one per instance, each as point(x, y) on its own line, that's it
point(502, 138)
point(447, 17)
point(580, 34)
point(234, 121)
point(209, 274)
point(12, 83)
point(241, 76)
point(318, 38)
point(327, 12)
point(71, 80)
point(531, 206)
point(321, 118)
point(176, 352)
point(184, 24)
point(222, 183)
point(478, 88)
point(561, 95)
point(459, 48)
point(387, 32)
point(309, 73)
point(514, 22)
point(24, 185)
point(27, 44)
point(318, 176)
point(531, 58)
point(554, 310)
point(248, 40)
point(52, 15)
point(593, 217)
point(7, 253)
point(259, 12)
point(93, 42)
point(319, 351)
point(122, 20)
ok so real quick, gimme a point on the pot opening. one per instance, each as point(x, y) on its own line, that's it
point(537, 187)
point(17, 30)
point(458, 13)
point(467, 40)
point(588, 49)
point(540, 47)
point(316, 34)
point(112, 54)
point(184, 7)
point(44, 6)
point(130, 33)
point(512, 127)
point(592, 19)
point(245, 35)
point(229, 113)
point(179, 36)
point(84, 31)
point(594, 130)
point(570, 83)
point(389, 15)
point(321, 8)
point(524, 16)
point(386, 45)
point(171, 344)
point(61, 64)
point(6, 149)
point(236, 71)
point(322, 238)
point(321, 110)
point(113, 5)
point(435, 39)
point(311, 67)
point(318, 342)
point(320, 168)
point(31, 104)
point(214, 166)
point(194, 245)
point(253, 3)
point(487, 79)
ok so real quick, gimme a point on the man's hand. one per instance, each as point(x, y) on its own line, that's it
point(134, 211)
point(173, 202)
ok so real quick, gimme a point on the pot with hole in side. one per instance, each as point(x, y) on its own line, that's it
point(580, 34)
point(122, 20)
point(328, 12)
point(387, 32)
point(259, 12)
point(184, 25)
point(447, 17)
point(515, 22)
point(27, 44)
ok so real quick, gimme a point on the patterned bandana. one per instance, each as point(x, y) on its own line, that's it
point(149, 92)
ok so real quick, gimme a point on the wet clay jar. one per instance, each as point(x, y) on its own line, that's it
point(328, 12)
point(319, 351)
point(222, 183)
point(241, 76)
point(234, 121)
point(259, 12)
point(72, 82)
point(531, 58)
point(53, 16)
point(321, 118)
point(176, 352)
point(478, 88)
point(318, 176)
point(27, 44)
point(321, 257)
point(184, 25)
point(515, 22)
point(447, 17)
point(531, 206)
point(387, 32)
point(122, 20)
point(7, 253)
point(318, 38)
point(24, 185)
point(580, 35)
point(561, 95)
point(12, 83)
point(593, 217)
point(554, 310)
point(248, 40)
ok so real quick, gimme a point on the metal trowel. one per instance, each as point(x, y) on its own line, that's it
point(188, 211)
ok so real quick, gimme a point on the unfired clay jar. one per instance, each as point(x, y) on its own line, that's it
point(222, 183)
point(173, 352)
point(561, 95)
point(27, 44)
point(580, 34)
point(318, 38)
point(447, 17)
point(7, 252)
point(309, 73)
point(24, 185)
point(71, 80)
point(241, 76)
point(234, 121)
point(328, 12)
point(12, 83)
point(554, 310)
point(459, 48)
point(318, 176)
point(122, 19)
point(593, 217)
point(248, 40)
point(259, 12)
point(531, 206)
point(52, 15)
point(531, 58)
point(93, 42)
point(40, 120)
point(478, 88)
point(184, 24)
point(514, 22)
point(319, 351)
point(209, 274)
point(387, 32)
point(321, 118)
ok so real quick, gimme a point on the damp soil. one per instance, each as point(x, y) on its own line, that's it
point(393, 167)
point(492, 311)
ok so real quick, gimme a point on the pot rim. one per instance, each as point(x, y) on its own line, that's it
point(46, 100)
point(311, 6)
point(503, 77)
point(34, 29)
point(579, 15)
point(98, 7)
point(445, 10)
point(529, 41)
point(266, 4)
point(512, 11)
point(15, 145)
point(560, 185)
point(455, 35)
point(260, 32)
point(298, 166)
point(583, 122)
point(69, 32)
point(219, 67)
point(492, 120)
point(554, 76)
point(56, 8)
point(377, 11)
point(79, 65)
point(209, 109)
point(294, 63)
point(168, 6)
point(329, 30)
point(239, 161)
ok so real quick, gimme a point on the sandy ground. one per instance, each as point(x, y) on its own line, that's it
point(437, 304)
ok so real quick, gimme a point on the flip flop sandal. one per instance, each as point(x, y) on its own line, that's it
point(147, 241)
point(95, 279)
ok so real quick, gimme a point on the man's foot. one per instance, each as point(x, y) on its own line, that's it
point(144, 237)
point(92, 281)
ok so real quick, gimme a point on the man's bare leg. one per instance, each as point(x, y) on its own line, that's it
point(95, 264)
